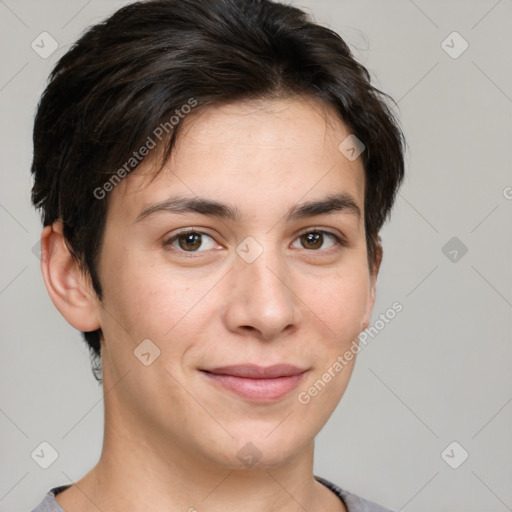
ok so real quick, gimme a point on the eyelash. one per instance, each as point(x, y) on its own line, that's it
point(340, 241)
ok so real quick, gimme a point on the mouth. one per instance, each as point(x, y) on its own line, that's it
point(257, 383)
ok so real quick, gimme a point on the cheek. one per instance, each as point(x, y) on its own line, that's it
point(144, 299)
point(341, 302)
point(146, 304)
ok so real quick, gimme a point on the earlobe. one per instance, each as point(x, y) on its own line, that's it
point(69, 289)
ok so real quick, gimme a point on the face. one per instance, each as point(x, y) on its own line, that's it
point(247, 249)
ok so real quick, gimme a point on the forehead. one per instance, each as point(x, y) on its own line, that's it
point(262, 152)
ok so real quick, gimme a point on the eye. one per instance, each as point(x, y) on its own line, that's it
point(191, 241)
point(315, 239)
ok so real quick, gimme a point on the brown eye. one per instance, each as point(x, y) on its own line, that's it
point(315, 240)
point(312, 240)
point(191, 241)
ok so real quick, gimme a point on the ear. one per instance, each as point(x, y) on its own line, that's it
point(374, 272)
point(69, 288)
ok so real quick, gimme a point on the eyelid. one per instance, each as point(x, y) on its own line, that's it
point(319, 229)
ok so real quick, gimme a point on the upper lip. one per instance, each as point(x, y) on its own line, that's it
point(252, 371)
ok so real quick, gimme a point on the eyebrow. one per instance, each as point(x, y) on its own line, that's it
point(333, 203)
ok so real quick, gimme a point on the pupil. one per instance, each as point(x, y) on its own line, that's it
point(192, 241)
point(313, 239)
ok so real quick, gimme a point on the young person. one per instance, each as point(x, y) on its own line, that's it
point(212, 177)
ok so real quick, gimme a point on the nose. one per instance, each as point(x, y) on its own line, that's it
point(262, 300)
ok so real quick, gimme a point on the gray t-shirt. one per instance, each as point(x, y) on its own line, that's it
point(352, 502)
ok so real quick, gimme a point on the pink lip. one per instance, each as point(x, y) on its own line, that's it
point(257, 383)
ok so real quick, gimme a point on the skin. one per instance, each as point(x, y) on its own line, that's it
point(171, 436)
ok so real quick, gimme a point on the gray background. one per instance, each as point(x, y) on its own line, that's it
point(437, 373)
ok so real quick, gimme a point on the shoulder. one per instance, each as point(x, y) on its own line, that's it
point(49, 504)
point(353, 502)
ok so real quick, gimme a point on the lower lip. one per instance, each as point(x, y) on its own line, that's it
point(257, 390)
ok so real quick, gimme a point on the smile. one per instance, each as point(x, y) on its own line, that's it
point(257, 384)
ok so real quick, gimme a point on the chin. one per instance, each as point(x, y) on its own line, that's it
point(259, 450)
